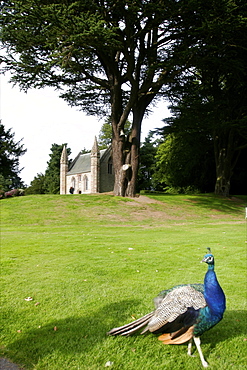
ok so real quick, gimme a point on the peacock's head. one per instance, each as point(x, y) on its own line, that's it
point(208, 258)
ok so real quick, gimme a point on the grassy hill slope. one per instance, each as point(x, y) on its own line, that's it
point(94, 262)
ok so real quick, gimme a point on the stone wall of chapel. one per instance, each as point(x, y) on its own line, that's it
point(78, 181)
point(63, 170)
point(106, 178)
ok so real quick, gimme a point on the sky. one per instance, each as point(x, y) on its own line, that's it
point(41, 119)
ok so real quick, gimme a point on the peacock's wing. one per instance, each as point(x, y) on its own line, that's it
point(158, 300)
point(178, 310)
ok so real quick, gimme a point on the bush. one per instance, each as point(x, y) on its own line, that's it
point(12, 193)
point(181, 190)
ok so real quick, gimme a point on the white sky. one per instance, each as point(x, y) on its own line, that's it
point(41, 118)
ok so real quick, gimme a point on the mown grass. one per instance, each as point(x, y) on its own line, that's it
point(91, 263)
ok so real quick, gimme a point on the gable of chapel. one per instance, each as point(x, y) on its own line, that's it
point(88, 173)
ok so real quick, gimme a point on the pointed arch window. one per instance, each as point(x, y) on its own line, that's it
point(85, 183)
point(73, 182)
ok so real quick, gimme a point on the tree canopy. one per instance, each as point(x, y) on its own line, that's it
point(147, 168)
point(105, 134)
point(118, 57)
point(49, 183)
point(103, 56)
point(211, 101)
point(10, 152)
point(186, 161)
point(37, 185)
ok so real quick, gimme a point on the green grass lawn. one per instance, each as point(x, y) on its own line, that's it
point(95, 262)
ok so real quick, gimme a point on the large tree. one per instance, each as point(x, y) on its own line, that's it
point(10, 152)
point(185, 161)
point(117, 56)
point(105, 56)
point(212, 98)
point(37, 185)
point(210, 115)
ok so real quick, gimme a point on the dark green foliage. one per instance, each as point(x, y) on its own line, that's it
point(148, 150)
point(52, 173)
point(37, 185)
point(82, 47)
point(185, 161)
point(10, 151)
point(210, 100)
point(105, 135)
point(105, 57)
point(84, 151)
point(239, 178)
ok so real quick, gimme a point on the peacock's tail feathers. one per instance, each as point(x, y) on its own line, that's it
point(132, 327)
point(179, 337)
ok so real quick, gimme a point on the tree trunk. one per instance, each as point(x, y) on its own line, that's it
point(223, 174)
point(126, 156)
point(225, 158)
point(134, 157)
point(118, 138)
point(125, 166)
point(118, 164)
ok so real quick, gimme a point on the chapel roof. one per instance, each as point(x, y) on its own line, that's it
point(82, 163)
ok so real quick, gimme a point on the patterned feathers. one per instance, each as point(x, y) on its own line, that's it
point(183, 312)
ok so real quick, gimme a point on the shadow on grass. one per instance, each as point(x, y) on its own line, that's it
point(81, 334)
point(220, 204)
point(68, 336)
point(232, 325)
point(233, 205)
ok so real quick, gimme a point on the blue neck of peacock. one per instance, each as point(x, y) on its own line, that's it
point(213, 293)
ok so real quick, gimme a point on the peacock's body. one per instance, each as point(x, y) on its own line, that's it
point(183, 312)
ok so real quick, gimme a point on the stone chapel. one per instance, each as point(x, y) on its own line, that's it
point(88, 173)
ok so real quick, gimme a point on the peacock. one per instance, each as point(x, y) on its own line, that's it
point(183, 312)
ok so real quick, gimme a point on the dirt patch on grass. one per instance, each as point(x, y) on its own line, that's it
point(190, 200)
point(146, 200)
point(144, 209)
point(8, 365)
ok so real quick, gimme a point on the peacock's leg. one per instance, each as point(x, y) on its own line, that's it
point(198, 346)
point(189, 347)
